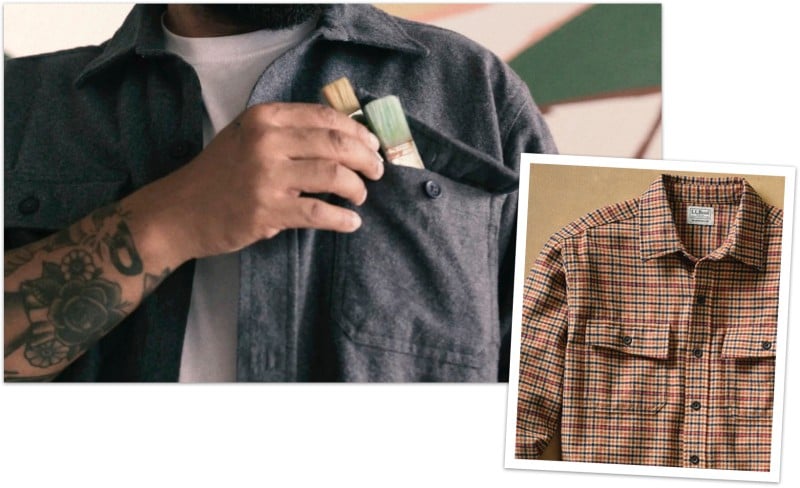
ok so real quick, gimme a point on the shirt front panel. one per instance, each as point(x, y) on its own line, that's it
point(366, 306)
point(227, 68)
point(666, 356)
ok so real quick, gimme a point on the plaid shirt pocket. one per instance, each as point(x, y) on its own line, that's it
point(626, 365)
point(748, 354)
point(748, 367)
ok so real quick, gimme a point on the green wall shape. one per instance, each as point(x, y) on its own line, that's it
point(605, 50)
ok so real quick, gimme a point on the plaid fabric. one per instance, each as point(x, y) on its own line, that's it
point(652, 340)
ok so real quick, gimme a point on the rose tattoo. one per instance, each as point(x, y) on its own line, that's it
point(73, 305)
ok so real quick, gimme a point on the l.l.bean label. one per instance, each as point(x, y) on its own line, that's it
point(700, 215)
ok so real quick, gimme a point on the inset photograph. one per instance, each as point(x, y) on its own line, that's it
point(649, 328)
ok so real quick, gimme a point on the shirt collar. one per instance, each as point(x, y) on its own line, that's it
point(362, 24)
point(657, 232)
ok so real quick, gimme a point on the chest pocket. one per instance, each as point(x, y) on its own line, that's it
point(420, 276)
point(626, 365)
point(749, 360)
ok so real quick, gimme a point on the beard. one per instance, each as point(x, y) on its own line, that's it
point(266, 16)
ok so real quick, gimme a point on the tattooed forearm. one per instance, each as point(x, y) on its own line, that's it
point(69, 306)
point(104, 233)
point(123, 253)
point(65, 292)
point(61, 239)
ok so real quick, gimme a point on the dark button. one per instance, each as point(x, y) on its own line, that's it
point(766, 345)
point(29, 205)
point(432, 189)
point(701, 299)
point(694, 459)
point(696, 405)
point(698, 353)
point(627, 340)
point(180, 149)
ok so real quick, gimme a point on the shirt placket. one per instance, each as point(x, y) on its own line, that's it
point(697, 380)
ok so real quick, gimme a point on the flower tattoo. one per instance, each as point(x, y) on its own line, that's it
point(46, 354)
point(71, 304)
point(80, 306)
point(78, 265)
point(84, 308)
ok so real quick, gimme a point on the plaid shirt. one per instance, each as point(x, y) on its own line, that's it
point(652, 339)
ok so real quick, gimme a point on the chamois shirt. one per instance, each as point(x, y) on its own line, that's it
point(649, 328)
point(421, 292)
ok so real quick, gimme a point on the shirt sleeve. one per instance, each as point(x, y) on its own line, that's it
point(543, 346)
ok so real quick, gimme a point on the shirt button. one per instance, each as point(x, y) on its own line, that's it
point(627, 340)
point(701, 299)
point(28, 205)
point(432, 189)
point(766, 345)
point(696, 405)
point(698, 353)
point(694, 459)
point(180, 149)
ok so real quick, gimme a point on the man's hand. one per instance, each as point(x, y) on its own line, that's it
point(248, 183)
point(65, 292)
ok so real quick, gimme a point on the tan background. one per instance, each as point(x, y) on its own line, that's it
point(560, 194)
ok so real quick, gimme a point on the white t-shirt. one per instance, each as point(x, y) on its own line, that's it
point(228, 67)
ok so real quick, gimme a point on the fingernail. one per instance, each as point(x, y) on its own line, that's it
point(364, 198)
point(374, 143)
point(380, 165)
point(355, 221)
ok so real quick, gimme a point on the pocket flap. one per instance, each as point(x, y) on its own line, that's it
point(460, 162)
point(650, 340)
point(54, 205)
point(457, 160)
point(750, 341)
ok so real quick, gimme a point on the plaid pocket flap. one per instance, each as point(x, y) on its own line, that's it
point(753, 341)
point(650, 340)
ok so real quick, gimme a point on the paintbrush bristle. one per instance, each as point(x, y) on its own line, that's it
point(341, 96)
point(388, 121)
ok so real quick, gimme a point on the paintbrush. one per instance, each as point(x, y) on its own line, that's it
point(341, 96)
point(388, 121)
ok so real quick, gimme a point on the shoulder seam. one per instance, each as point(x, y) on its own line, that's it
point(513, 99)
point(624, 210)
point(774, 215)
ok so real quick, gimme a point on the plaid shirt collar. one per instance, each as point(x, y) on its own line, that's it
point(659, 237)
point(141, 34)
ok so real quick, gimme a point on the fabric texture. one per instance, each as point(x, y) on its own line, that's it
point(422, 292)
point(210, 342)
point(651, 340)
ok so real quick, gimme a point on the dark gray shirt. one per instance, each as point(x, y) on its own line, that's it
point(422, 292)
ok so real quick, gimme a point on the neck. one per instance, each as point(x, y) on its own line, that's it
point(198, 21)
